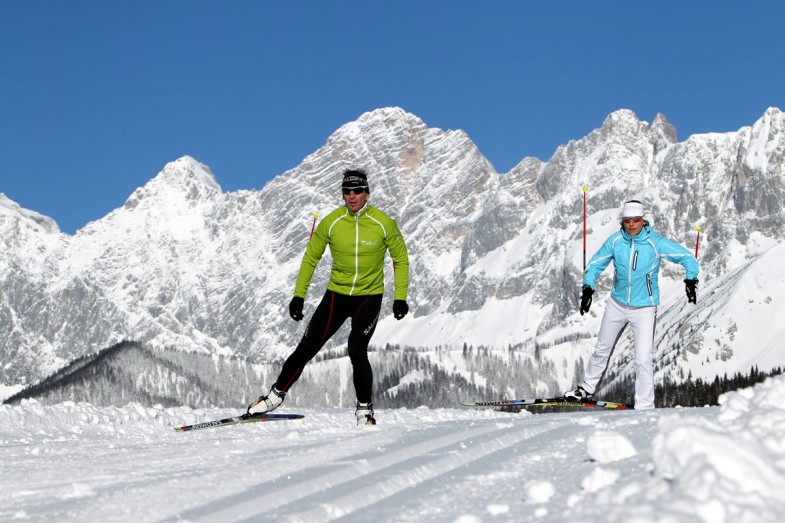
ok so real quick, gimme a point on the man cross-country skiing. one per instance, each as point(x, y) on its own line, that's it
point(636, 251)
point(359, 236)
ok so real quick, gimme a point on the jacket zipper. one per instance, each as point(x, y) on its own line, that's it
point(632, 261)
point(356, 252)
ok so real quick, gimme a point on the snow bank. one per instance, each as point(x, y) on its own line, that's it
point(31, 417)
point(731, 468)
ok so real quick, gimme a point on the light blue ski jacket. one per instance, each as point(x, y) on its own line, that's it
point(636, 260)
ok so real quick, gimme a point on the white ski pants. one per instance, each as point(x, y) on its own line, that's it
point(614, 320)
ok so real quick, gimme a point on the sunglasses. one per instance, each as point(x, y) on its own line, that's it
point(635, 219)
point(356, 190)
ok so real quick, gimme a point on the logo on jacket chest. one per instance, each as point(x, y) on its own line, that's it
point(368, 244)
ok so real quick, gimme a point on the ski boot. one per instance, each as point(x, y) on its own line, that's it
point(578, 395)
point(267, 403)
point(364, 413)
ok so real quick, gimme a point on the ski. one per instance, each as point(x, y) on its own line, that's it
point(235, 420)
point(549, 402)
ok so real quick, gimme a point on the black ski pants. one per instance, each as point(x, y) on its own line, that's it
point(331, 313)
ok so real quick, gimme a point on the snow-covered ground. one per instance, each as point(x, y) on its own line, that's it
point(78, 462)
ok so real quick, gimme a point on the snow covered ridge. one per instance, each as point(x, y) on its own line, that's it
point(77, 462)
point(496, 258)
point(30, 219)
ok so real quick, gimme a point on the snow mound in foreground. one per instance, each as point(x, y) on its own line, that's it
point(724, 468)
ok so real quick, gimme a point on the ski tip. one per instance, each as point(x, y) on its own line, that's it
point(244, 418)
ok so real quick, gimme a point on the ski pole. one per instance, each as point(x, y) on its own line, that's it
point(697, 240)
point(313, 227)
point(585, 189)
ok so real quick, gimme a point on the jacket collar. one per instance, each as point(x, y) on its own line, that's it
point(362, 210)
point(643, 235)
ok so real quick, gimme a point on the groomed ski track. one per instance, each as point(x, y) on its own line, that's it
point(352, 483)
point(423, 465)
point(411, 471)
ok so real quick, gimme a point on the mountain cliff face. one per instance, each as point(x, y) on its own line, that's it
point(496, 259)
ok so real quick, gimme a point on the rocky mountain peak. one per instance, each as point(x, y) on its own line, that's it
point(663, 134)
point(183, 178)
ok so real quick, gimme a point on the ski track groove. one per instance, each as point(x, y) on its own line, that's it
point(378, 478)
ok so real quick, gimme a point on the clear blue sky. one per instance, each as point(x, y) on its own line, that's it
point(97, 96)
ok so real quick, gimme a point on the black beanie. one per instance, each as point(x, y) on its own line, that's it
point(355, 179)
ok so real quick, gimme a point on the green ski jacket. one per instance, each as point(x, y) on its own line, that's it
point(358, 244)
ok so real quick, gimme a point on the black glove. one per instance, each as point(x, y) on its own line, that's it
point(400, 309)
point(586, 299)
point(689, 288)
point(296, 308)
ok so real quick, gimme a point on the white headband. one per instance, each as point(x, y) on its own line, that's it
point(632, 210)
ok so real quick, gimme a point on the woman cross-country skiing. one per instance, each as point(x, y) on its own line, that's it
point(636, 251)
point(359, 236)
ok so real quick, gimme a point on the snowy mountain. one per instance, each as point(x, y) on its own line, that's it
point(496, 258)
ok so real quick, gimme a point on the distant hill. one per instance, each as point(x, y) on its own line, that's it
point(131, 372)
